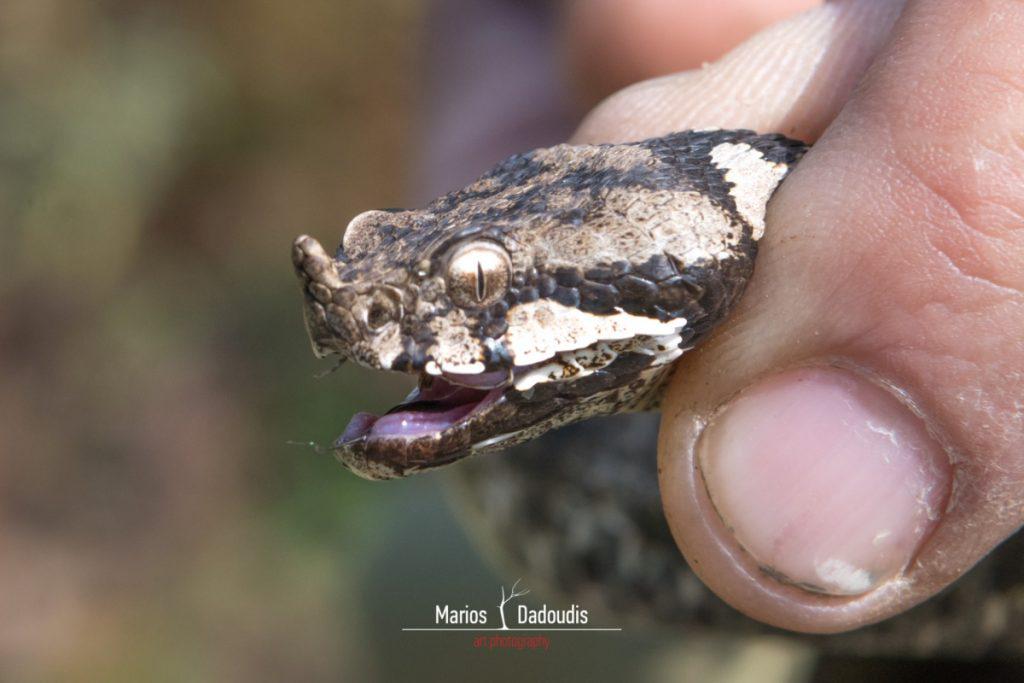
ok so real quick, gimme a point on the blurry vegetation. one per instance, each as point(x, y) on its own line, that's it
point(156, 159)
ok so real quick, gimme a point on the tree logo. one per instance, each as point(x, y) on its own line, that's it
point(501, 605)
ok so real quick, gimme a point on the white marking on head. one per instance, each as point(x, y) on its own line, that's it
point(753, 177)
point(540, 329)
point(572, 365)
point(474, 368)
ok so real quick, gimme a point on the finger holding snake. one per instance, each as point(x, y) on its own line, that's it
point(850, 442)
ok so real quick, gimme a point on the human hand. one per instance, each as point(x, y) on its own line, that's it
point(857, 426)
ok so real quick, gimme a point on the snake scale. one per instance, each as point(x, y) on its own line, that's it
point(563, 285)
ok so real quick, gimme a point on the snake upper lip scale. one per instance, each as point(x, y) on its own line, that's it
point(562, 284)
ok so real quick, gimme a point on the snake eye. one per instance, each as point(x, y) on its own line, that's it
point(478, 274)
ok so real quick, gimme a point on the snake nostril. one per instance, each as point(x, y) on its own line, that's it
point(378, 316)
point(384, 308)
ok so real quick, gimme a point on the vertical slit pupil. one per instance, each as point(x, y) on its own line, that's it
point(481, 289)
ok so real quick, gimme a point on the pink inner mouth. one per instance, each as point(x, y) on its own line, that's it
point(429, 409)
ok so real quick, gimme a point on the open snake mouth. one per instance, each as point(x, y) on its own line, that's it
point(449, 416)
point(436, 405)
point(445, 418)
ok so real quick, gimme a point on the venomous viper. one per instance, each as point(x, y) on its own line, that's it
point(563, 285)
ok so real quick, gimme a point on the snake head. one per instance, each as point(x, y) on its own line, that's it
point(560, 285)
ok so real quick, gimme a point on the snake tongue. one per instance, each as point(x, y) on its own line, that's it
point(420, 419)
point(358, 427)
point(428, 410)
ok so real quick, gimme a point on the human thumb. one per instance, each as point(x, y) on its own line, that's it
point(849, 443)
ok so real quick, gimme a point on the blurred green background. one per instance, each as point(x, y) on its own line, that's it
point(156, 159)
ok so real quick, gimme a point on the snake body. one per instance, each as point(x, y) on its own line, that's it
point(563, 285)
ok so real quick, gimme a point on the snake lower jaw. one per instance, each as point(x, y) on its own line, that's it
point(438, 423)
